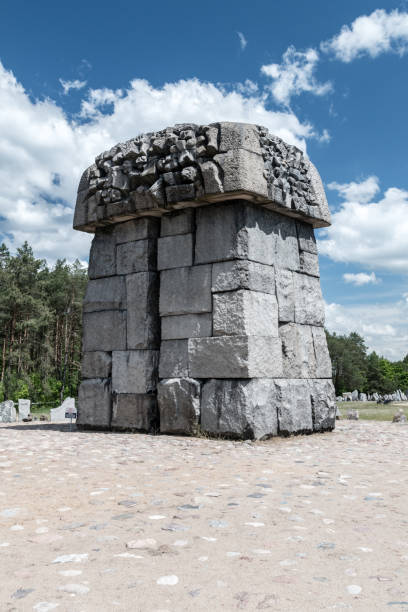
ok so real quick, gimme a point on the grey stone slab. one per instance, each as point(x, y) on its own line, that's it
point(309, 305)
point(239, 230)
point(102, 258)
point(244, 312)
point(287, 247)
point(177, 222)
point(134, 371)
point(96, 364)
point(67, 407)
point(134, 411)
point(179, 405)
point(175, 251)
point(173, 359)
point(242, 170)
point(81, 210)
point(143, 322)
point(243, 274)
point(211, 177)
point(107, 293)
point(24, 407)
point(323, 404)
point(138, 256)
point(285, 294)
point(235, 357)
point(180, 193)
point(137, 229)
point(104, 331)
point(239, 136)
point(306, 237)
point(240, 408)
point(309, 263)
point(294, 406)
point(8, 412)
point(323, 211)
point(178, 327)
point(185, 290)
point(298, 354)
point(323, 361)
point(95, 403)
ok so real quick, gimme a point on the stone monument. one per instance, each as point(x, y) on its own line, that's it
point(24, 406)
point(203, 309)
point(58, 414)
point(7, 412)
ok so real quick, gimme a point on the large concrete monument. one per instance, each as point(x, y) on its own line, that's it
point(203, 309)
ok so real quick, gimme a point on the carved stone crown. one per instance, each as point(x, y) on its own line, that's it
point(193, 165)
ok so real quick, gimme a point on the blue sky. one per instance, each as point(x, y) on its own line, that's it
point(75, 78)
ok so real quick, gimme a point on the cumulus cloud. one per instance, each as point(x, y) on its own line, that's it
point(383, 326)
point(373, 234)
point(361, 278)
point(380, 32)
point(68, 85)
point(242, 40)
point(357, 192)
point(43, 153)
point(295, 75)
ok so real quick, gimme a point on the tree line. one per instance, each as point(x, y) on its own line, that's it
point(40, 327)
point(354, 368)
point(40, 336)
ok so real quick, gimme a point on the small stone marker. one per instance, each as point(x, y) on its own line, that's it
point(353, 415)
point(7, 412)
point(64, 412)
point(399, 417)
point(24, 406)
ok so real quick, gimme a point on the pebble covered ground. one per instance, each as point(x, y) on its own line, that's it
point(101, 521)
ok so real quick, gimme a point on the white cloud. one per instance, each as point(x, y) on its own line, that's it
point(361, 278)
point(383, 326)
point(68, 85)
point(373, 234)
point(242, 40)
point(357, 192)
point(380, 32)
point(39, 143)
point(295, 75)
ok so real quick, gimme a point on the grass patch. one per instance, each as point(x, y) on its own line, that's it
point(371, 411)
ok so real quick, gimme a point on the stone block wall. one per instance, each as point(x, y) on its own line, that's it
point(203, 309)
point(209, 318)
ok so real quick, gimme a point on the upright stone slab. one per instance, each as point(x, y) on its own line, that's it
point(24, 406)
point(204, 308)
point(7, 412)
point(59, 414)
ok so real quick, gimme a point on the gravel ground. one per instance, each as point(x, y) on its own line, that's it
point(95, 521)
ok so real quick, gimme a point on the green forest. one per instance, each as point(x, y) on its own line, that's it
point(354, 368)
point(40, 336)
point(40, 327)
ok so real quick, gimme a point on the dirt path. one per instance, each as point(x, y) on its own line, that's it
point(95, 522)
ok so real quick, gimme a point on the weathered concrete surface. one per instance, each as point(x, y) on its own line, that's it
point(286, 524)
